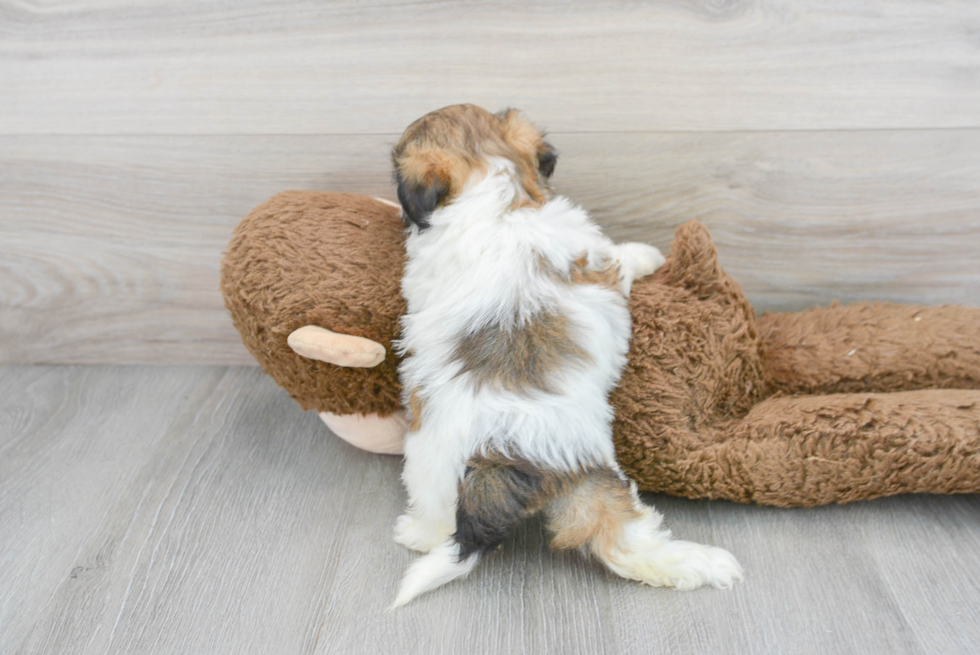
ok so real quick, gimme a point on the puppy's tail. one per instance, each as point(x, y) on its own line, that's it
point(496, 494)
point(442, 564)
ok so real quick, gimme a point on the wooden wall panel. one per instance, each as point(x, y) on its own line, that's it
point(290, 67)
point(110, 246)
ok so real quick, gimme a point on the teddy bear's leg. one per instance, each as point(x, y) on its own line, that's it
point(431, 476)
point(871, 347)
point(815, 450)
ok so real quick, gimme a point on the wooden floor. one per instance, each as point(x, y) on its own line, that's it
point(198, 510)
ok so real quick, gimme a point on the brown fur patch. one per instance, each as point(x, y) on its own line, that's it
point(486, 485)
point(580, 273)
point(593, 512)
point(499, 492)
point(445, 147)
point(525, 141)
point(547, 269)
point(584, 507)
point(606, 276)
point(519, 357)
point(415, 407)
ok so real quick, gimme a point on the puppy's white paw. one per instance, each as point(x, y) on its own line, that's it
point(685, 565)
point(640, 258)
point(418, 535)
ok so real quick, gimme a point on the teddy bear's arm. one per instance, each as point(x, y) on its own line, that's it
point(315, 342)
point(872, 347)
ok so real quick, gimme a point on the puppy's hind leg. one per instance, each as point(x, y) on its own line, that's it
point(496, 494)
point(604, 515)
point(431, 475)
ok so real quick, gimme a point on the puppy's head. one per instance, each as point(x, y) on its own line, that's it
point(442, 151)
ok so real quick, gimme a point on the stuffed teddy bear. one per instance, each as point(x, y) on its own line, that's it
point(824, 406)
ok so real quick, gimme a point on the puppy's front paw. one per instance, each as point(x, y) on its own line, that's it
point(641, 258)
point(686, 565)
point(417, 535)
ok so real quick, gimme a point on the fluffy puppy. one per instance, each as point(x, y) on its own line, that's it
point(516, 331)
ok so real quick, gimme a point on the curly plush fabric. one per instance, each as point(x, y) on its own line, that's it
point(334, 260)
point(871, 347)
point(824, 406)
point(704, 407)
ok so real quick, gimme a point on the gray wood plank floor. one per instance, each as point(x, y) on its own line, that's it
point(198, 510)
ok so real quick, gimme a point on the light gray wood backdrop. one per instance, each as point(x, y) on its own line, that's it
point(833, 148)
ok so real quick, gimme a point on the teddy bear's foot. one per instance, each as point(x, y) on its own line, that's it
point(418, 535)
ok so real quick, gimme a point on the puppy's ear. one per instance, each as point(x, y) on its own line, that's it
point(547, 159)
point(422, 183)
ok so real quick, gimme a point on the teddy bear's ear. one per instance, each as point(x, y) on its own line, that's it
point(693, 261)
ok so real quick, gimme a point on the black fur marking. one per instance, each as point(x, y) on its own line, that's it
point(547, 160)
point(494, 497)
point(419, 201)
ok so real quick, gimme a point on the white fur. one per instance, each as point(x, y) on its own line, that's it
point(480, 263)
point(440, 566)
point(646, 553)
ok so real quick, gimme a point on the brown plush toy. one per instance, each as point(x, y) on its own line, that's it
point(828, 405)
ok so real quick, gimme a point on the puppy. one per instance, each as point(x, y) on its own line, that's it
point(516, 331)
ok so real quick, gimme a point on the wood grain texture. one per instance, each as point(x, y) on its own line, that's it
point(61, 473)
point(110, 246)
point(207, 514)
point(268, 66)
point(257, 539)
